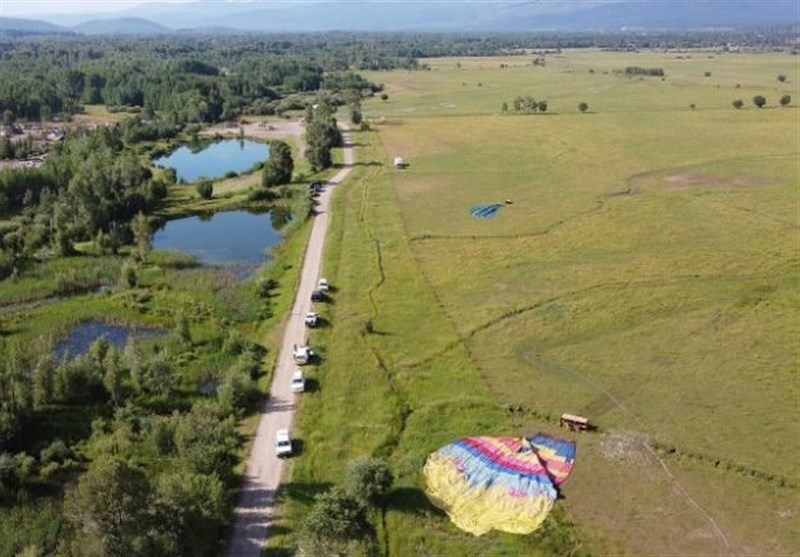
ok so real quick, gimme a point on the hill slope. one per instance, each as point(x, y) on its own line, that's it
point(12, 24)
point(124, 26)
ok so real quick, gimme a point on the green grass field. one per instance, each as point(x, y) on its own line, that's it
point(645, 275)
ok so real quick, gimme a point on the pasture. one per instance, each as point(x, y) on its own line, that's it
point(645, 275)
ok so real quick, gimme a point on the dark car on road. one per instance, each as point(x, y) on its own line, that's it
point(317, 296)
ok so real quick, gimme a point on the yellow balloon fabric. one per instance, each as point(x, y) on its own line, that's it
point(495, 483)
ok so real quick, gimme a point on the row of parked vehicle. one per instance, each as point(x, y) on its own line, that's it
point(302, 356)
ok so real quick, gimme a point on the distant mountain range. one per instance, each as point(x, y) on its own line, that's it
point(415, 15)
point(120, 26)
point(29, 26)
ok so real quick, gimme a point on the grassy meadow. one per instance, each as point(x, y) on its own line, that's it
point(645, 274)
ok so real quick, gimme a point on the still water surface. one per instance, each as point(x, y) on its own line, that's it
point(81, 337)
point(214, 159)
point(226, 238)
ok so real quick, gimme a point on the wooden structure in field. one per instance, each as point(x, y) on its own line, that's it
point(575, 423)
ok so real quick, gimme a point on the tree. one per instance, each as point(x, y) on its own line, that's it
point(16, 396)
point(109, 508)
point(542, 106)
point(280, 165)
point(504, 107)
point(44, 379)
point(190, 511)
point(356, 117)
point(322, 134)
point(9, 117)
point(113, 375)
point(153, 376)
point(782, 78)
point(205, 188)
point(6, 148)
point(206, 440)
point(141, 234)
point(583, 107)
point(369, 479)
point(737, 104)
point(759, 101)
point(237, 389)
point(785, 100)
point(128, 277)
point(336, 519)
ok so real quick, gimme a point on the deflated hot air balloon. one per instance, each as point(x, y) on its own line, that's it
point(498, 483)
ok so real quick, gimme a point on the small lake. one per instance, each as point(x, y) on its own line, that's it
point(225, 238)
point(81, 337)
point(214, 159)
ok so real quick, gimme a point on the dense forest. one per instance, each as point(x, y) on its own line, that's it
point(186, 80)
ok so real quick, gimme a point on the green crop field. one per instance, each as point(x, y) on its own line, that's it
point(644, 274)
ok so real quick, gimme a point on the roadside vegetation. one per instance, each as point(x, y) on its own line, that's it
point(132, 448)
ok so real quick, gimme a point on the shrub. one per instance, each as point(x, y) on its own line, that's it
point(234, 343)
point(336, 519)
point(636, 70)
point(205, 188)
point(57, 451)
point(265, 286)
point(369, 480)
point(260, 193)
point(128, 276)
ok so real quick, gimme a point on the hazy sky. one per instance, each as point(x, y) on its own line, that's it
point(32, 8)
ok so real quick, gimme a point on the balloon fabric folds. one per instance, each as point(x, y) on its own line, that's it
point(498, 483)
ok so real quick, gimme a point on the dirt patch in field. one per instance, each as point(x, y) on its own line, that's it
point(624, 446)
point(278, 129)
point(693, 179)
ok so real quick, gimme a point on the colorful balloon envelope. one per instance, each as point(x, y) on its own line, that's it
point(498, 483)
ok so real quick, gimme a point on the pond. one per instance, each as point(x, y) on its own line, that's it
point(81, 337)
point(225, 238)
point(214, 159)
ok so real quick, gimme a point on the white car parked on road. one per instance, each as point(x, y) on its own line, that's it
point(312, 318)
point(283, 443)
point(298, 381)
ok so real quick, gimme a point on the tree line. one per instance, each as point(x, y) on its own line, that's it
point(186, 79)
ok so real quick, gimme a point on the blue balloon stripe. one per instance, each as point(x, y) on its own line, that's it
point(485, 211)
point(481, 470)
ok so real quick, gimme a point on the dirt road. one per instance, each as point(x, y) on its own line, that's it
point(263, 473)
